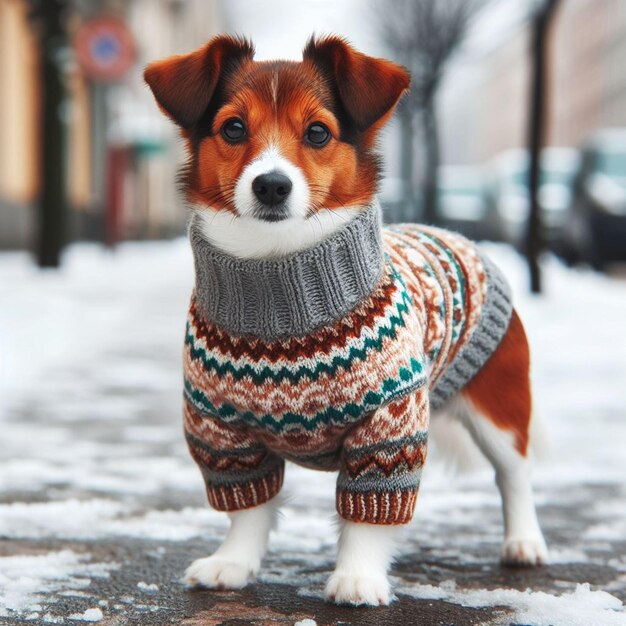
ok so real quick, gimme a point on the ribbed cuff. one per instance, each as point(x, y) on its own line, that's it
point(247, 494)
point(377, 507)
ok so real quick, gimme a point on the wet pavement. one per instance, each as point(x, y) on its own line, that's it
point(259, 604)
point(263, 603)
point(143, 586)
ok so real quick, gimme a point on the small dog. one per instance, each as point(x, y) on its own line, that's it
point(315, 334)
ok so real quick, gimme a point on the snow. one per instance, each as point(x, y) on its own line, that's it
point(306, 622)
point(90, 615)
point(90, 392)
point(150, 588)
point(581, 607)
point(614, 525)
point(27, 580)
point(93, 519)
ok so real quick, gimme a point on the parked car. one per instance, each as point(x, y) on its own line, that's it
point(510, 196)
point(462, 201)
point(595, 230)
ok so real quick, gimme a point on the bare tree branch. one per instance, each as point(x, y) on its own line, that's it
point(422, 35)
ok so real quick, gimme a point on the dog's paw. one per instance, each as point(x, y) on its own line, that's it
point(524, 552)
point(217, 573)
point(356, 589)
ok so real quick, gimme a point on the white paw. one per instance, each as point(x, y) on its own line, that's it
point(525, 552)
point(355, 589)
point(218, 573)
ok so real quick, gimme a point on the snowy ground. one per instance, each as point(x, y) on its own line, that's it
point(101, 507)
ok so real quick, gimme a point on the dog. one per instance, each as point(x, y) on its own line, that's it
point(318, 336)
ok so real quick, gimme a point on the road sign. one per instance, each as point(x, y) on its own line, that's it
point(104, 48)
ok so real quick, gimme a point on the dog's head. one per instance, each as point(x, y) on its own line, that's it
point(278, 140)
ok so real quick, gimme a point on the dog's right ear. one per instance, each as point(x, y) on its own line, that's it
point(183, 85)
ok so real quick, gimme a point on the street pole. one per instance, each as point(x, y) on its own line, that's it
point(538, 106)
point(407, 212)
point(99, 124)
point(52, 206)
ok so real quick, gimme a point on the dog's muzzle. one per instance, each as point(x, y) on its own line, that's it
point(272, 190)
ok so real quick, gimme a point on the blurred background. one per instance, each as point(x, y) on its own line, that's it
point(515, 128)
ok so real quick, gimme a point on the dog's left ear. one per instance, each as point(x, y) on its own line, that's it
point(369, 88)
point(183, 85)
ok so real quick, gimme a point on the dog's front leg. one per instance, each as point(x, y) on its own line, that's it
point(376, 492)
point(238, 559)
point(363, 559)
point(243, 478)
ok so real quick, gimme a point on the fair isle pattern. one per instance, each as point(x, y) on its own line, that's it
point(458, 273)
point(360, 367)
point(240, 473)
point(354, 395)
point(378, 480)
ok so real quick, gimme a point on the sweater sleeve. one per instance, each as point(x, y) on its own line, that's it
point(381, 463)
point(239, 472)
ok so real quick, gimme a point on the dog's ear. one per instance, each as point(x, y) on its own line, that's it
point(369, 88)
point(183, 85)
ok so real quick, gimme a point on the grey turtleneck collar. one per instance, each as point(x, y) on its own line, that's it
point(292, 295)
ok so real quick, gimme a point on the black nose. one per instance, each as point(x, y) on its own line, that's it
point(271, 188)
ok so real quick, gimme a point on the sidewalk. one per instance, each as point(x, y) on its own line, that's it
point(101, 507)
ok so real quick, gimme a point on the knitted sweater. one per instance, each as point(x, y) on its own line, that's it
point(332, 358)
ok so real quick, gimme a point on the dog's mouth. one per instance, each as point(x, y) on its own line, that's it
point(276, 213)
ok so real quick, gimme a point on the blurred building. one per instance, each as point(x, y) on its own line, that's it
point(589, 60)
point(18, 122)
point(120, 150)
point(485, 99)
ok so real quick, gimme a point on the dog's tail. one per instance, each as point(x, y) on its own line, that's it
point(450, 443)
point(453, 446)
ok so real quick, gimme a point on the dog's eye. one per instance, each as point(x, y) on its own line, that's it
point(317, 135)
point(233, 130)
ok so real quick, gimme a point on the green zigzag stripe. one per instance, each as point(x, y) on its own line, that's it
point(410, 378)
point(278, 375)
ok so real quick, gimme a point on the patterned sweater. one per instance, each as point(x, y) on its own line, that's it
point(332, 358)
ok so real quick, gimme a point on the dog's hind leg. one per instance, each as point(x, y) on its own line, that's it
point(239, 557)
point(496, 409)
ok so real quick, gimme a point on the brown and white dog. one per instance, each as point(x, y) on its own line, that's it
point(281, 155)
